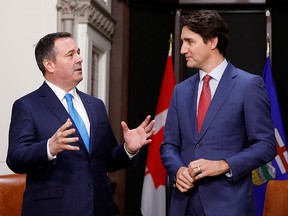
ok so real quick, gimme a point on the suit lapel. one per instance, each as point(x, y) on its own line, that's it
point(92, 118)
point(52, 102)
point(224, 88)
point(192, 103)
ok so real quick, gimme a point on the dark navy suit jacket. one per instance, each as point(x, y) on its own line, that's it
point(237, 128)
point(76, 182)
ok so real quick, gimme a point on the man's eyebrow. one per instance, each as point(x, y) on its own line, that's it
point(73, 51)
point(187, 39)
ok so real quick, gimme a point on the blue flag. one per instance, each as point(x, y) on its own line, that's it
point(278, 168)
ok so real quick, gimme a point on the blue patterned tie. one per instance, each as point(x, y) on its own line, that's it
point(77, 120)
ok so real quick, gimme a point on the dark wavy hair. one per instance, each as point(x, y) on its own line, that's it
point(208, 24)
point(45, 48)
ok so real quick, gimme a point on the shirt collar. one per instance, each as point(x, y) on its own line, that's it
point(217, 72)
point(60, 93)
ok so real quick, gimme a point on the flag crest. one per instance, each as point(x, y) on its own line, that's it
point(279, 165)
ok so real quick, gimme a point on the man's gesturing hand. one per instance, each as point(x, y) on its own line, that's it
point(60, 140)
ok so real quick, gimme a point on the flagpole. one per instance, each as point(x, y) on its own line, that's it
point(267, 45)
point(170, 44)
point(269, 33)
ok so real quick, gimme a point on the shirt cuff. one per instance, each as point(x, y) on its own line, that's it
point(128, 153)
point(50, 157)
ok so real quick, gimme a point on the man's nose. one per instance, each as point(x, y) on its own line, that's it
point(80, 59)
point(183, 49)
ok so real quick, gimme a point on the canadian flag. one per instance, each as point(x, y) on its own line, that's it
point(153, 201)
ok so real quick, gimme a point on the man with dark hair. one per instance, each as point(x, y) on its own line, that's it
point(62, 139)
point(218, 128)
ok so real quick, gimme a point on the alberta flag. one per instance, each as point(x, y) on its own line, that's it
point(276, 169)
point(153, 201)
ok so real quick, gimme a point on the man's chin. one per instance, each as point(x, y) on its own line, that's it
point(190, 65)
point(79, 79)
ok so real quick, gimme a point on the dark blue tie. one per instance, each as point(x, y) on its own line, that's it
point(77, 120)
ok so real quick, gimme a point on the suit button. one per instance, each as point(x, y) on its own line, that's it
point(197, 145)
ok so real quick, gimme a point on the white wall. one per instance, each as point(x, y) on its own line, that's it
point(23, 23)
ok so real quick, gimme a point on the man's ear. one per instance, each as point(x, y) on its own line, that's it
point(213, 43)
point(49, 65)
